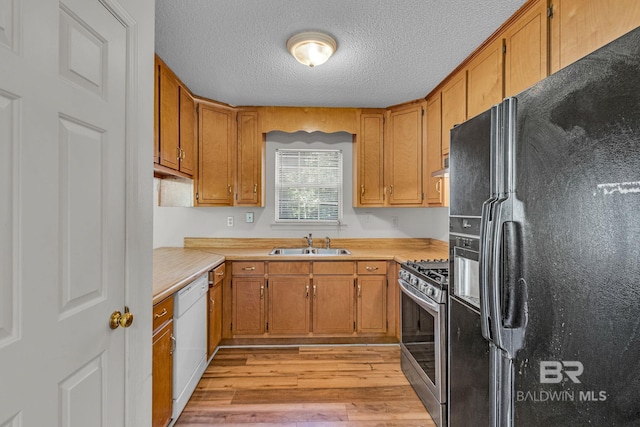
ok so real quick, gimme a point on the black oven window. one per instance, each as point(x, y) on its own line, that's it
point(418, 334)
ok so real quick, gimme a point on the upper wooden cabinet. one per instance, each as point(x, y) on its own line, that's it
point(250, 160)
point(369, 160)
point(485, 79)
point(216, 155)
point(188, 132)
point(403, 155)
point(579, 27)
point(526, 49)
point(434, 188)
point(175, 123)
point(454, 106)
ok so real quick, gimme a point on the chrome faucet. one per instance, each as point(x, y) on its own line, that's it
point(328, 242)
point(309, 240)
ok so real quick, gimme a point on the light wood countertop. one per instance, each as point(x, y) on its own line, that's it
point(174, 268)
point(399, 250)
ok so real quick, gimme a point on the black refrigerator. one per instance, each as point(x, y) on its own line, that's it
point(559, 243)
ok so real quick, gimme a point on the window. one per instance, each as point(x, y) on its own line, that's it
point(309, 186)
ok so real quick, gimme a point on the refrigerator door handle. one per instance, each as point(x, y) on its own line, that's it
point(485, 272)
point(512, 286)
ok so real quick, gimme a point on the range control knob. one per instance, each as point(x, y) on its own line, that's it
point(413, 281)
point(431, 292)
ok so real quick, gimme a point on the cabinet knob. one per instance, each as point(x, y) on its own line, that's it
point(390, 189)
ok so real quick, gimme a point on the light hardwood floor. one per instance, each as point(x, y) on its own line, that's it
point(316, 386)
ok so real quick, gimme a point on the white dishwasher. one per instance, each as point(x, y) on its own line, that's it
point(190, 331)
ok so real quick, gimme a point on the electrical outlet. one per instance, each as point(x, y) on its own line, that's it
point(229, 221)
point(394, 221)
point(248, 217)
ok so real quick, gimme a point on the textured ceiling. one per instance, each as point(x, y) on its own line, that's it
point(389, 51)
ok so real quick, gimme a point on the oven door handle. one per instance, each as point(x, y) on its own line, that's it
point(432, 306)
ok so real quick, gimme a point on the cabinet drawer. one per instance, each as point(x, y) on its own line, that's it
point(247, 268)
point(372, 267)
point(162, 312)
point(289, 267)
point(218, 275)
point(334, 267)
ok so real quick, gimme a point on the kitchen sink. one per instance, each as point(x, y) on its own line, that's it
point(310, 251)
point(332, 251)
point(291, 251)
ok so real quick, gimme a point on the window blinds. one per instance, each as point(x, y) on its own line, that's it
point(308, 185)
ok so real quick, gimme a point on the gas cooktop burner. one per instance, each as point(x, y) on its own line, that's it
point(429, 277)
point(437, 269)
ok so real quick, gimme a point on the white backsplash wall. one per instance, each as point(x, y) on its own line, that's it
point(172, 224)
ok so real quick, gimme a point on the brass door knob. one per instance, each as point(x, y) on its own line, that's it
point(118, 319)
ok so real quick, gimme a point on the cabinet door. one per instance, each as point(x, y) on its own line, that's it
point(215, 319)
point(484, 79)
point(250, 160)
point(169, 119)
point(526, 49)
point(434, 190)
point(216, 156)
point(404, 156)
point(372, 304)
point(333, 305)
point(156, 111)
point(370, 166)
point(578, 27)
point(188, 132)
point(162, 376)
point(248, 306)
point(289, 304)
point(454, 107)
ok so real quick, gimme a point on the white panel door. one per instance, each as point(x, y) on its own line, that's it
point(63, 143)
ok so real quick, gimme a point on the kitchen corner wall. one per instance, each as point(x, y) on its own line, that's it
point(172, 224)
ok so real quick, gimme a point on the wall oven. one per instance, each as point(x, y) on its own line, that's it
point(423, 286)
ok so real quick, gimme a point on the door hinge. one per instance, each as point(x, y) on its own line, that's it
point(550, 12)
point(422, 111)
point(354, 326)
point(422, 196)
point(197, 108)
point(267, 326)
point(231, 326)
point(504, 48)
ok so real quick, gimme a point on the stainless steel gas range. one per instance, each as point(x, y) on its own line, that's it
point(423, 314)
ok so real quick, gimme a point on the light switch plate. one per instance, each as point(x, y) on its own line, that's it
point(248, 217)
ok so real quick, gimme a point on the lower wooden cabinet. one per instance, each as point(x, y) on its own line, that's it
point(162, 363)
point(248, 306)
point(214, 326)
point(371, 297)
point(288, 299)
point(289, 305)
point(371, 303)
point(333, 305)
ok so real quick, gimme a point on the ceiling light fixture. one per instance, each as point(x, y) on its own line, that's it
point(311, 48)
